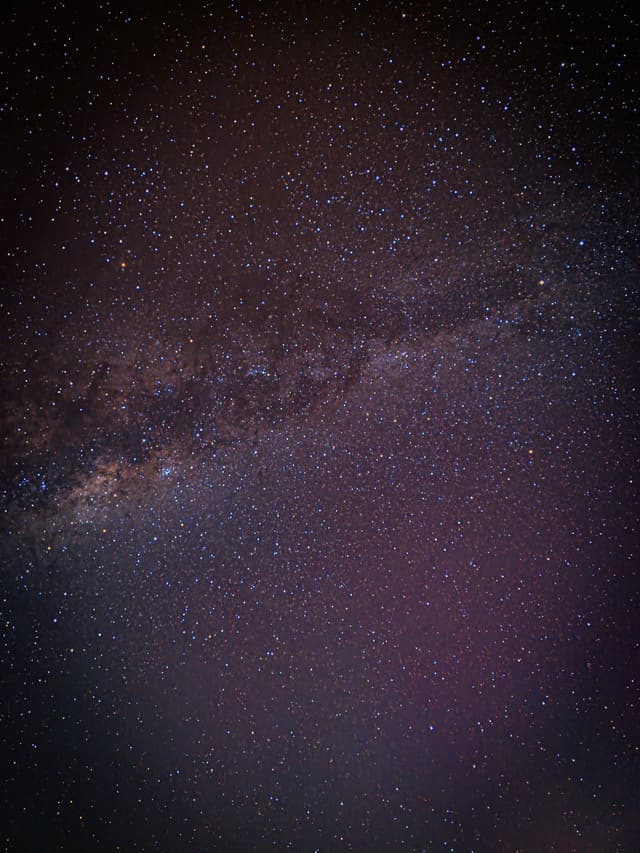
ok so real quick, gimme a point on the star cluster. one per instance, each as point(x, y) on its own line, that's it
point(319, 405)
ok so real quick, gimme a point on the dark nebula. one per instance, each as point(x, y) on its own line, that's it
point(319, 428)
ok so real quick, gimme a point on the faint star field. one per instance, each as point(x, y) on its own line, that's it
point(319, 428)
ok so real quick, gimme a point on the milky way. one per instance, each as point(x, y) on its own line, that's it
point(319, 505)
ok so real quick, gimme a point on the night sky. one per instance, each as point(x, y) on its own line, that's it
point(319, 466)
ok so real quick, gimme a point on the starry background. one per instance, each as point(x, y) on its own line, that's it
point(319, 461)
